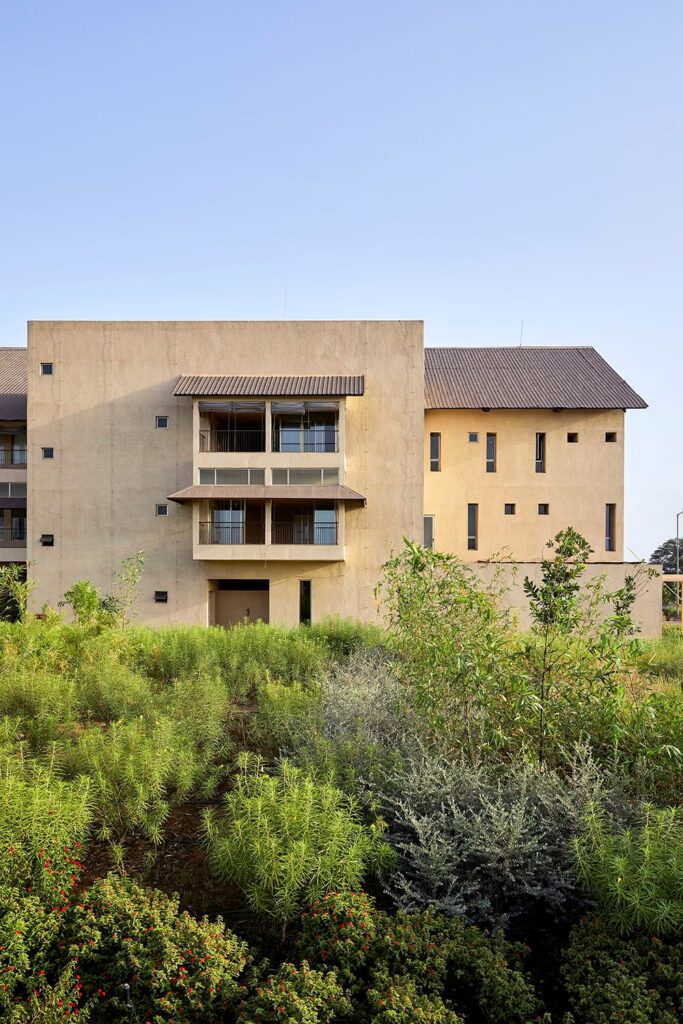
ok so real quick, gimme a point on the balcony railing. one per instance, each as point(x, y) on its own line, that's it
point(304, 533)
point(15, 458)
point(232, 533)
point(232, 440)
point(12, 537)
point(308, 439)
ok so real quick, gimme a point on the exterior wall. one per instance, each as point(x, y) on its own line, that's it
point(647, 610)
point(111, 465)
point(580, 479)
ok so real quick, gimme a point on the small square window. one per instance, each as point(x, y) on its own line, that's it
point(572, 438)
point(161, 596)
point(611, 436)
point(47, 540)
point(544, 509)
point(473, 437)
point(162, 510)
point(162, 422)
point(46, 369)
point(510, 509)
point(48, 453)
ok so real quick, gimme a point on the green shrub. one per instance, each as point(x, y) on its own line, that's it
point(636, 874)
point(397, 1001)
point(288, 838)
point(109, 692)
point(338, 929)
point(610, 979)
point(44, 702)
point(650, 748)
point(298, 995)
point(344, 637)
point(49, 1003)
point(664, 656)
point(179, 967)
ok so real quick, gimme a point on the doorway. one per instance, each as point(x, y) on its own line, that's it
point(232, 602)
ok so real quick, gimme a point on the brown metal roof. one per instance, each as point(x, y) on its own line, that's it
point(13, 383)
point(270, 387)
point(524, 378)
point(283, 492)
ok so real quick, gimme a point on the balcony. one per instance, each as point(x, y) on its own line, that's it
point(306, 439)
point(240, 529)
point(13, 536)
point(232, 440)
point(14, 458)
point(232, 533)
point(305, 533)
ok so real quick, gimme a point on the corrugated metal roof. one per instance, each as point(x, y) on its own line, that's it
point(524, 378)
point(13, 383)
point(270, 387)
point(289, 492)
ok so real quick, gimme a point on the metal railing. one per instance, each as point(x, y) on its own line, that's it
point(232, 533)
point(308, 439)
point(15, 457)
point(304, 533)
point(13, 537)
point(232, 440)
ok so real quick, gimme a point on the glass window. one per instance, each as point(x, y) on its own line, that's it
point(162, 422)
point(279, 476)
point(490, 453)
point(257, 476)
point(232, 476)
point(330, 476)
point(325, 523)
point(305, 476)
point(540, 453)
point(305, 602)
point(510, 509)
point(572, 438)
point(48, 453)
point(17, 490)
point(435, 453)
point(4, 490)
point(428, 541)
point(611, 436)
point(544, 509)
point(46, 369)
point(227, 522)
point(610, 523)
point(472, 527)
point(162, 510)
point(473, 437)
point(207, 476)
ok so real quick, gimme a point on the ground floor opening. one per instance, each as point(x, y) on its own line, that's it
point(234, 601)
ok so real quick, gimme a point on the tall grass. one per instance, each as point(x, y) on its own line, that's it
point(664, 656)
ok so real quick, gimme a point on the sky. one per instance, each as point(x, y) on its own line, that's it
point(470, 164)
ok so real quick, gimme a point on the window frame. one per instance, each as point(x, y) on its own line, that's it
point(472, 526)
point(541, 451)
point(305, 602)
point(158, 513)
point(428, 547)
point(473, 437)
point(44, 372)
point(611, 526)
point(161, 426)
point(611, 437)
point(44, 451)
point(572, 437)
point(544, 505)
point(510, 508)
point(435, 460)
point(491, 446)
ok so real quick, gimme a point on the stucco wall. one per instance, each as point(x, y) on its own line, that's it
point(111, 466)
point(580, 479)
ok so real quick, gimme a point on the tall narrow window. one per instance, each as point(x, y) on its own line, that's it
point(472, 527)
point(435, 453)
point(490, 453)
point(540, 453)
point(610, 527)
point(429, 531)
point(305, 602)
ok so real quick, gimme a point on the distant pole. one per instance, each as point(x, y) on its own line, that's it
point(521, 334)
point(678, 543)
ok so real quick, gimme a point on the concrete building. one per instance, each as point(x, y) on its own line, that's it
point(268, 469)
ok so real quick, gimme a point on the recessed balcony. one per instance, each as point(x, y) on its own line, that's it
point(242, 529)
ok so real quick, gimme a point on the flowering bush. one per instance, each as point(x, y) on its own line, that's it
point(397, 1001)
point(179, 968)
point(338, 930)
point(296, 995)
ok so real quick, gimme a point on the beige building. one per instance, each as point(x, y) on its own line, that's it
point(268, 469)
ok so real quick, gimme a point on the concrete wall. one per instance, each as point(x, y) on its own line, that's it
point(111, 466)
point(580, 479)
point(647, 611)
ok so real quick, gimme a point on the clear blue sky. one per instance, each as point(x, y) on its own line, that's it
point(466, 163)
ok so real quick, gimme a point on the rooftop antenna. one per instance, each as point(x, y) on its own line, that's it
point(521, 334)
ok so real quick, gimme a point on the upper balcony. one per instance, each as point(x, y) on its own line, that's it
point(288, 427)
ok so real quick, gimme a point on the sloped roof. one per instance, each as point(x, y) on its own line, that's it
point(270, 387)
point(13, 383)
point(524, 378)
point(278, 492)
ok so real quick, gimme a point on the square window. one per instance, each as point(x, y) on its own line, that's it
point(161, 596)
point(47, 540)
point(48, 453)
point(544, 509)
point(572, 438)
point(510, 509)
point(162, 510)
point(162, 422)
point(473, 437)
point(46, 369)
point(611, 436)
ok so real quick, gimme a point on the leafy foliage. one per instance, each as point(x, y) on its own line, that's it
point(636, 874)
point(398, 1001)
point(297, 994)
point(287, 838)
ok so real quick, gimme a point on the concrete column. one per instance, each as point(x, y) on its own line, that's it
point(269, 519)
point(269, 428)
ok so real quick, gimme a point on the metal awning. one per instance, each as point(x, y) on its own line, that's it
point(270, 387)
point(259, 492)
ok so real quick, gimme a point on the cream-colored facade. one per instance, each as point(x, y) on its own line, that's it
point(96, 501)
point(579, 479)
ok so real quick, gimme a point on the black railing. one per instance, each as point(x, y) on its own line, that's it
point(232, 440)
point(308, 439)
point(304, 533)
point(13, 537)
point(232, 533)
point(15, 457)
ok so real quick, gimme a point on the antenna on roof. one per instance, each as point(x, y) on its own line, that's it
point(521, 334)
